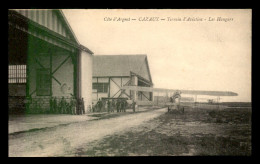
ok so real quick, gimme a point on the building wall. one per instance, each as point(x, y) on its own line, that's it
point(114, 87)
point(144, 96)
point(126, 81)
point(141, 95)
point(60, 60)
point(86, 78)
point(64, 75)
point(113, 90)
point(134, 82)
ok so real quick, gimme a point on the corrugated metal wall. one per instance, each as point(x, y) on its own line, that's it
point(46, 18)
point(55, 24)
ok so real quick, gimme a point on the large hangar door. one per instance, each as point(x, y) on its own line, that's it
point(17, 69)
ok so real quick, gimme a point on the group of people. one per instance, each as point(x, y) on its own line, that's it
point(110, 105)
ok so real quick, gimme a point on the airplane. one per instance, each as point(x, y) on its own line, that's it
point(176, 94)
point(211, 100)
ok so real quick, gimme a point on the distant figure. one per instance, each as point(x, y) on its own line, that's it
point(117, 105)
point(133, 105)
point(100, 105)
point(83, 106)
point(113, 105)
point(93, 107)
point(104, 105)
point(120, 106)
point(108, 106)
point(124, 105)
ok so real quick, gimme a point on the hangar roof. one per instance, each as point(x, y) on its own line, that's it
point(52, 21)
point(121, 65)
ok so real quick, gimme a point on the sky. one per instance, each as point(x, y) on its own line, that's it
point(197, 50)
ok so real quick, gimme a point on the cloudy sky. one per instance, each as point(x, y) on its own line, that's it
point(203, 54)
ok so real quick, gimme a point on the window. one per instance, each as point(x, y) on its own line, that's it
point(43, 82)
point(17, 74)
point(100, 87)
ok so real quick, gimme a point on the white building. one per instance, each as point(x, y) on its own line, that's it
point(110, 72)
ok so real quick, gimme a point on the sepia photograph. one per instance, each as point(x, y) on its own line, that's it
point(129, 82)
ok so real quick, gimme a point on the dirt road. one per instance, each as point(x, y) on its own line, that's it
point(200, 132)
point(65, 139)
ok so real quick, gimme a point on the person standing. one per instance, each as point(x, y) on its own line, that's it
point(121, 106)
point(83, 106)
point(108, 105)
point(133, 105)
point(125, 105)
point(100, 105)
point(117, 105)
point(93, 107)
point(104, 103)
point(113, 105)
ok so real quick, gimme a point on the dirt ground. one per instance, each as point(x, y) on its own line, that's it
point(196, 132)
point(150, 133)
point(63, 140)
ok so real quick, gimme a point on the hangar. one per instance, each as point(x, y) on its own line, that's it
point(111, 72)
point(45, 63)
